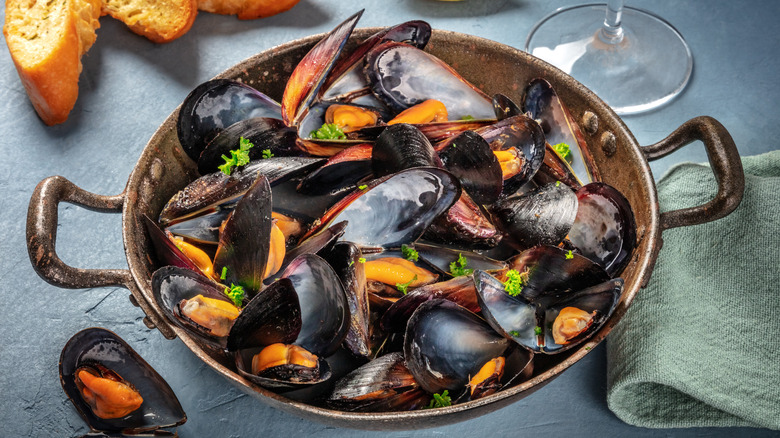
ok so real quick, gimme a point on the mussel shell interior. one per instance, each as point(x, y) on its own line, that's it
point(243, 360)
point(160, 408)
point(512, 316)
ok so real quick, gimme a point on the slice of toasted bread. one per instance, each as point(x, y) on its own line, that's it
point(246, 9)
point(46, 39)
point(159, 20)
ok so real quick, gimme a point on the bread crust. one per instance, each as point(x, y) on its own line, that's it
point(47, 54)
point(160, 21)
point(246, 9)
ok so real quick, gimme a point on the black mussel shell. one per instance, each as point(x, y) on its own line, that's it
point(542, 102)
point(344, 257)
point(512, 316)
point(202, 229)
point(272, 316)
point(604, 230)
point(551, 271)
point(442, 258)
point(401, 147)
point(321, 242)
point(470, 158)
point(464, 225)
point(601, 298)
point(244, 243)
point(342, 171)
point(160, 407)
point(166, 251)
point(554, 169)
point(266, 134)
point(324, 306)
point(445, 344)
point(540, 217)
point(382, 384)
point(394, 210)
point(311, 72)
point(213, 106)
point(403, 76)
point(282, 377)
point(217, 191)
point(171, 285)
point(504, 107)
point(459, 290)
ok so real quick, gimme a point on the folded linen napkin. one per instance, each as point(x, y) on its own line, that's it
point(700, 346)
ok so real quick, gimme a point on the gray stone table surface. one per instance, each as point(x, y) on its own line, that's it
point(130, 85)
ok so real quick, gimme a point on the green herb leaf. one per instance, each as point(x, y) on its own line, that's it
point(410, 253)
point(235, 293)
point(538, 331)
point(563, 150)
point(351, 262)
point(329, 131)
point(557, 183)
point(267, 153)
point(362, 187)
point(467, 117)
point(238, 157)
point(569, 255)
point(514, 333)
point(403, 286)
point(440, 401)
point(361, 260)
point(458, 267)
point(514, 283)
point(224, 273)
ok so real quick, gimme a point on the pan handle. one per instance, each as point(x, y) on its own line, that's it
point(724, 161)
point(42, 236)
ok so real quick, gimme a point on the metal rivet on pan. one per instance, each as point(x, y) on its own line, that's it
point(608, 144)
point(133, 300)
point(590, 122)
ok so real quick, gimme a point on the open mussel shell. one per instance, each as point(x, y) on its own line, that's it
point(441, 257)
point(394, 210)
point(400, 147)
point(512, 316)
point(601, 299)
point(324, 307)
point(347, 83)
point(266, 134)
point(470, 158)
point(551, 271)
point(542, 102)
point(543, 216)
point(554, 168)
point(604, 229)
point(244, 243)
point(445, 344)
point(160, 407)
point(505, 107)
point(213, 106)
point(203, 229)
point(171, 285)
point(403, 76)
point(384, 384)
point(282, 377)
point(166, 251)
point(312, 71)
point(272, 316)
point(345, 257)
point(217, 191)
point(342, 171)
point(464, 225)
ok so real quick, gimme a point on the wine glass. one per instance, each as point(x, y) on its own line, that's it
point(632, 59)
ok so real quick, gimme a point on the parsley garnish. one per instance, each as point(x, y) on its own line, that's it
point(514, 334)
point(538, 331)
point(224, 273)
point(329, 131)
point(467, 117)
point(569, 255)
point(403, 286)
point(557, 183)
point(235, 293)
point(409, 253)
point(267, 153)
point(514, 283)
point(238, 157)
point(351, 262)
point(362, 187)
point(362, 260)
point(458, 267)
point(563, 150)
point(440, 401)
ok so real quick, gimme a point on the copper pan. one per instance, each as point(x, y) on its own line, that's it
point(163, 169)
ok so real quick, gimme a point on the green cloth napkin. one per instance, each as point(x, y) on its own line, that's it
point(700, 346)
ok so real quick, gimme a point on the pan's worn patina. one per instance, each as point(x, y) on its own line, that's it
point(164, 168)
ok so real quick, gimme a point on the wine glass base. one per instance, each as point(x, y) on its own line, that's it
point(645, 70)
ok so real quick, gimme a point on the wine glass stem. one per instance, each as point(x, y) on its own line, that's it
point(612, 31)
